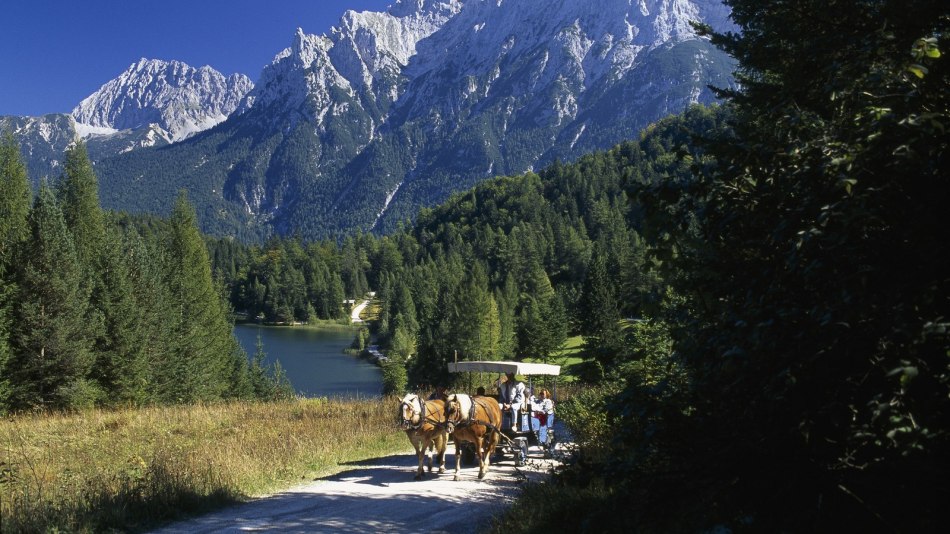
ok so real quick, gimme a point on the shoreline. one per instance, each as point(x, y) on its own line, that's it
point(329, 325)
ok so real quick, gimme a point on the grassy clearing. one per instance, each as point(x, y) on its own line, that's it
point(568, 355)
point(128, 469)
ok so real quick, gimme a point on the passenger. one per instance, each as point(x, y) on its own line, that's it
point(512, 397)
point(543, 412)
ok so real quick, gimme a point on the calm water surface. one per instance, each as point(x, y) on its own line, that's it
point(314, 360)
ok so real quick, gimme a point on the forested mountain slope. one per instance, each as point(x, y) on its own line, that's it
point(394, 111)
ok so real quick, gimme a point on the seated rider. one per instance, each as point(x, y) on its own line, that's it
point(542, 409)
point(512, 397)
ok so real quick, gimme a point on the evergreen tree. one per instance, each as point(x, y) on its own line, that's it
point(15, 198)
point(473, 318)
point(600, 321)
point(78, 193)
point(14, 230)
point(201, 361)
point(121, 365)
point(52, 350)
point(810, 252)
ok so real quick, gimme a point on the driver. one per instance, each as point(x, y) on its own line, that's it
point(512, 397)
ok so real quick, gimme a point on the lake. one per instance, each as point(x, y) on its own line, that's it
point(314, 360)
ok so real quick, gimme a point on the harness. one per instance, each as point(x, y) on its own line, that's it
point(423, 417)
point(471, 420)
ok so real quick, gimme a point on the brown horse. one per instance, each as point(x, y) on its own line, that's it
point(425, 425)
point(476, 420)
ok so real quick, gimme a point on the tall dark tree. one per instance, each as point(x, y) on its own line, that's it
point(201, 362)
point(78, 193)
point(121, 366)
point(817, 284)
point(15, 197)
point(52, 349)
point(14, 230)
point(600, 320)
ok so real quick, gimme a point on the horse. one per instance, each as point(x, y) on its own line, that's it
point(476, 420)
point(424, 422)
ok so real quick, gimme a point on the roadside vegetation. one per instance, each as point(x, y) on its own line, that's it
point(128, 469)
point(792, 374)
point(752, 299)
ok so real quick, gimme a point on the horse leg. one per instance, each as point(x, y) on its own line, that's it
point(420, 452)
point(429, 452)
point(481, 458)
point(458, 459)
point(440, 448)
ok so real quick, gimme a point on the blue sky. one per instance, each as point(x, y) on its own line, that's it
point(54, 53)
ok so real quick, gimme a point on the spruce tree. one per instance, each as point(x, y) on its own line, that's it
point(201, 362)
point(600, 320)
point(52, 349)
point(78, 193)
point(121, 349)
point(14, 230)
point(15, 197)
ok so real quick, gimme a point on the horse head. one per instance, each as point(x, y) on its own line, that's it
point(410, 411)
point(457, 410)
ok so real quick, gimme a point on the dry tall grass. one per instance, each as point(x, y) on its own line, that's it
point(126, 469)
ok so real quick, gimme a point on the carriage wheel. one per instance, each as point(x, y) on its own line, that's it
point(521, 453)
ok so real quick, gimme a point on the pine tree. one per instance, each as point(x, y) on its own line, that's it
point(121, 365)
point(14, 230)
point(15, 197)
point(78, 194)
point(600, 321)
point(201, 362)
point(52, 350)
point(157, 337)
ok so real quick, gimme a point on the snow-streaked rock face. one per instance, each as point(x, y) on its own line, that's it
point(545, 54)
point(362, 58)
point(388, 112)
point(179, 99)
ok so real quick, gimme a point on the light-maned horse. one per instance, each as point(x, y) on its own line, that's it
point(476, 420)
point(424, 422)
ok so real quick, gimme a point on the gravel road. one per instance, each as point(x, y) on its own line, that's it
point(380, 495)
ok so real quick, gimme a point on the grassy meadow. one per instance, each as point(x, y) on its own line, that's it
point(133, 468)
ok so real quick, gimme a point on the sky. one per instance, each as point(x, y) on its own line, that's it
point(54, 53)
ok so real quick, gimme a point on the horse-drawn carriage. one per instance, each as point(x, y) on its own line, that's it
point(477, 423)
point(531, 429)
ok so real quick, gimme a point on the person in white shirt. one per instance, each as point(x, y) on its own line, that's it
point(512, 397)
point(542, 409)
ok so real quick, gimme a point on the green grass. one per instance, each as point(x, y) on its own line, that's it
point(568, 355)
point(129, 469)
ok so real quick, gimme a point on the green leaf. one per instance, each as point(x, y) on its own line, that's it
point(918, 70)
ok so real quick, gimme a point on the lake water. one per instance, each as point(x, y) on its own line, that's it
point(314, 360)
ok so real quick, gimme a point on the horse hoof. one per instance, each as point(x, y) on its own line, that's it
point(441, 470)
point(418, 477)
point(455, 478)
point(481, 476)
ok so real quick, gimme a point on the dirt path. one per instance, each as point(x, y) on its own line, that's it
point(380, 495)
point(357, 310)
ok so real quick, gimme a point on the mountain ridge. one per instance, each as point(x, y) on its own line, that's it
point(388, 112)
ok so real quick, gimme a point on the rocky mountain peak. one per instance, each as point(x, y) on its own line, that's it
point(179, 99)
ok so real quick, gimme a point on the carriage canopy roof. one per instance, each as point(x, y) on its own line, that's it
point(521, 368)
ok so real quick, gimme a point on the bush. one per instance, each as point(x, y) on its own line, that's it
point(395, 378)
